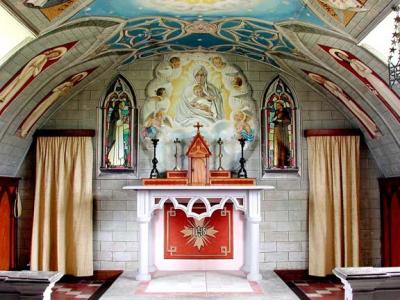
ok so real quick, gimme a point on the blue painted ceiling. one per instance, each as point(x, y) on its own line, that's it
point(209, 10)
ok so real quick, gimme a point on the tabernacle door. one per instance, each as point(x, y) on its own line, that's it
point(199, 171)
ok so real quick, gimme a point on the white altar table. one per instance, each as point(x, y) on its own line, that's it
point(244, 198)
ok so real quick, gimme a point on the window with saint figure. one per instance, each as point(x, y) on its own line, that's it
point(119, 127)
point(279, 128)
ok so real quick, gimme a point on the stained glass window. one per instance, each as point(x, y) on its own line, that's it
point(279, 128)
point(119, 134)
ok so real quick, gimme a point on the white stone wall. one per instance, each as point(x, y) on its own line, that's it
point(284, 237)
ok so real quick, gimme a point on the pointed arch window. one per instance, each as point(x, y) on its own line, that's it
point(119, 127)
point(279, 128)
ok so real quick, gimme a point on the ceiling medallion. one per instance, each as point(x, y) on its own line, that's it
point(200, 5)
point(198, 233)
point(201, 27)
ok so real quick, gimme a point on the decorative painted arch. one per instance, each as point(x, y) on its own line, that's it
point(119, 127)
point(279, 126)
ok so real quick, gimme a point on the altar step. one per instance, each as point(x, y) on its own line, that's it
point(199, 282)
point(272, 287)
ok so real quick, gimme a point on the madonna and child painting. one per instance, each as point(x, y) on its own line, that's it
point(197, 87)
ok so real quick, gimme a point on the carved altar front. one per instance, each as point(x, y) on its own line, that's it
point(245, 198)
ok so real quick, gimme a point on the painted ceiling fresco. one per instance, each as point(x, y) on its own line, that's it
point(248, 37)
point(271, 10)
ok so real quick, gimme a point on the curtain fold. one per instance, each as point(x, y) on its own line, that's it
point(62, 222)
point(334, 191)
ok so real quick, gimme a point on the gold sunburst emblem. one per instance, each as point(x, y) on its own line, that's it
point(199, 233)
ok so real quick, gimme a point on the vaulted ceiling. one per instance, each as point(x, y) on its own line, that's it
point(315, 41)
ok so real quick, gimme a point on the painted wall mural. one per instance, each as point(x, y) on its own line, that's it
point(50, 8)
point(21, 80)
point(343, 11)
point(369, 77)
point(279, 128)
point(60, 90)
point(356, 110)
point(198, 87)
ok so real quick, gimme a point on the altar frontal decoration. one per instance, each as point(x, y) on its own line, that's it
point(188, 238)
point(198, 87)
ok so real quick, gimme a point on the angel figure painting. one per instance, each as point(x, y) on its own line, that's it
point(37, 65)
point(279, 127)
point(53, 96)
point(343, 11)
point(50, 8)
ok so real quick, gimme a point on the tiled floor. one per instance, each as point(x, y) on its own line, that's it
point(63, 291)
point(199, 285)
point(210, 285)
point(321, 290)
point(310, 287)
point(92, 287)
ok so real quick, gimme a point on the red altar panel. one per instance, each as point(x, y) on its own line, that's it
point(390, 211)
point(188, 238)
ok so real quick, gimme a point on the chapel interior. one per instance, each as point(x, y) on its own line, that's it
point(192, 149)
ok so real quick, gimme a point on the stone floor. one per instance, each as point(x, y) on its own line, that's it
point(204, 285)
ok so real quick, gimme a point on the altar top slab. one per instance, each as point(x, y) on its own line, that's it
point(366, 272)
point(199, 187)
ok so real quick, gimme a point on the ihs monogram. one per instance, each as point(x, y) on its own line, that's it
point(198, 233)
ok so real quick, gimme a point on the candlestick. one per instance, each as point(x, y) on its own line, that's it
point(154, 172)
point(220, 142)
point(176, 142)
point(242, 171)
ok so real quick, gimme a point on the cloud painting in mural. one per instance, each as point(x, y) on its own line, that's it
point(272, 10)
point(59, 91)
point(340, 94)
point(369, 77)
point(343, 10)
point(50, 8)
point(37, 65)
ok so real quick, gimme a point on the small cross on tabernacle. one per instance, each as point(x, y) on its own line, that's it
point(198, 126)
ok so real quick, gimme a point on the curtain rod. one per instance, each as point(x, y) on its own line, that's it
point(332, 132)
point(64, 132)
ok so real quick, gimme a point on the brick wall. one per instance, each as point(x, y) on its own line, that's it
point(284, 238)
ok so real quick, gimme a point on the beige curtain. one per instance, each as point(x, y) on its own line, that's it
point(333, 202)
point(62, 221)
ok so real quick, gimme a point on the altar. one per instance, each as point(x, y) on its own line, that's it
point(207, 216)
point(244, 198)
